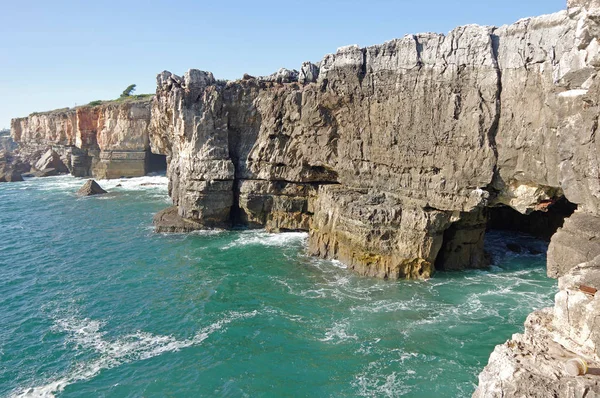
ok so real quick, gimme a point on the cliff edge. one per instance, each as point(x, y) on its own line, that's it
point(393, 156)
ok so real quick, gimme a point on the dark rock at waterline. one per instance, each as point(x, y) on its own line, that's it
point(90, 188)
point(9, 174)
point(169, 221)
point(44, 173)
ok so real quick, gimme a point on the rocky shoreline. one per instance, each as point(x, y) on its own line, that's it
point(396, 159)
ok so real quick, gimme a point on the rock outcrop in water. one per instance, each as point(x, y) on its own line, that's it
point(391, 155)
point(90, 188)
point(105, 141)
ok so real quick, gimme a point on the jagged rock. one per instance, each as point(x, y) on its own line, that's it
point(583, 3)
point(309, 73)
point(576, 242)
point(51, 160)
point(169, 221)
point(532, 364)
point(90, 188)
point(283, 75)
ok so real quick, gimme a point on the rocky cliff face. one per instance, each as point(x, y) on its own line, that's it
point(105, 141)
point(533, 364)
point(390, 155)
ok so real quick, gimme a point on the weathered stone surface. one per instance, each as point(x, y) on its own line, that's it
point(89, 140)
point(309, 73)
point(169, 221)
point(90, 188)
point(578, 241)
point(51, 160)
point(532, 364)
point(9, 174)
point(583, 3)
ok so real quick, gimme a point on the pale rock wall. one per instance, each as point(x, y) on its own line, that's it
point(532, 364)
point(390, 154)
point(105, 141)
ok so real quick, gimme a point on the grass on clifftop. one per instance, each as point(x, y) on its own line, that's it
point(130, 98)
point(121, 100)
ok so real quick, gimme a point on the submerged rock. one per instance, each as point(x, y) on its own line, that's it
point(90, 188)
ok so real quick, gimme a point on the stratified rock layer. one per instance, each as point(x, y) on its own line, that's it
point(105, 141)
point(389, 155)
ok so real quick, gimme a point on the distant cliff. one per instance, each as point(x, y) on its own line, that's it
point(105, 141)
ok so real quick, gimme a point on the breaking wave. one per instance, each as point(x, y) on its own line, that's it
point(87, 334)
point(263, 238)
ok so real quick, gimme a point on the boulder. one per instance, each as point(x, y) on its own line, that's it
point(169, 221)
point(90, 188)
point(51, 160)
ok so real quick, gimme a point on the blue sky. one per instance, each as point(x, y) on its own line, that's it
point(61, 53)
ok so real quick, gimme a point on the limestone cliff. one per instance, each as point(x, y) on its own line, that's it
point(533, 364)
point(105, 141)
point(391, 155)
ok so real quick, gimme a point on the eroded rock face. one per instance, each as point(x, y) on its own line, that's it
point(390, 154)
point(51, 160)
point(9, 174)
point(105, 141)
point(532, 364)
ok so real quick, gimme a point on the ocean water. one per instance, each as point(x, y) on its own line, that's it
point(94, 304)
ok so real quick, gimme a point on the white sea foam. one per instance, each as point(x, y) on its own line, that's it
point(338, 333)
point(70, 184)
point(87, 334)
point(149, 182)
point(263, 238)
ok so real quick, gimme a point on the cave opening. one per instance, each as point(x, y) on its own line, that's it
point(463, 242)
point(541, 224)
point(156, 163)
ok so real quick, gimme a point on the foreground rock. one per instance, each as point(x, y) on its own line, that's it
point(532, 364)
point(90, 188)
point(168, 221)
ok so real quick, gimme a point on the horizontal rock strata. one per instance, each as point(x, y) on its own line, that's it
point(389, 155)
point(105, 141)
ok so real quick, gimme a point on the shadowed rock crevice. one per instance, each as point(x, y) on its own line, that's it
point(541, 223)
point(156, 163)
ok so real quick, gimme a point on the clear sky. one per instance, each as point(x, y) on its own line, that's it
point(57, 54)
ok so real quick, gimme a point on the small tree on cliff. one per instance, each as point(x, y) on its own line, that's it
point(128, 91)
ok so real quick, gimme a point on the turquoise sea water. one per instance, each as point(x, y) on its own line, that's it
point(93, 303)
